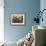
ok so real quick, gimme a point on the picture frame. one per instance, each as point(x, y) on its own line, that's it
point(17, 19)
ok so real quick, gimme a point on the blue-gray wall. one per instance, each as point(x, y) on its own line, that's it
point(43, 6)
point(29, 8)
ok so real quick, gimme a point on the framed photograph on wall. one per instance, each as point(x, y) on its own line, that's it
point(17, 19)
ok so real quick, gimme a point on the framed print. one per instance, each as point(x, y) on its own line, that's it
point(17, 19)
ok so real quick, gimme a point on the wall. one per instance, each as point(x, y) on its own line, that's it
point(28, 7)
point(43, 6)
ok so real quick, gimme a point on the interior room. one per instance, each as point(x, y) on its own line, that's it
point(22, 22)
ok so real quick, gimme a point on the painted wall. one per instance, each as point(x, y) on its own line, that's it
point(43, 6)
point(28, 7)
